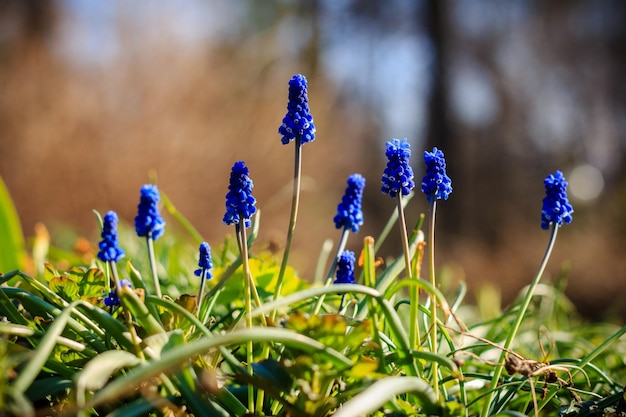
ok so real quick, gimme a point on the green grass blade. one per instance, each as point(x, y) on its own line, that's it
point(182, 220)
point(139, 310)
point(47, 344)
point(171, 359)
point(98, 371)
point(385, 390)
point(12, 255)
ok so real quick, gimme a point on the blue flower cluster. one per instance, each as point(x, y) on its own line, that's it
point(398, 175)
point(556, 207)
point(436, 185)
point(239, 200)
point(148, 221)
point(298, 122)
point(110, 250)
point(112, 299)
point(345, 268)
point(204, 262)
point(349, 211)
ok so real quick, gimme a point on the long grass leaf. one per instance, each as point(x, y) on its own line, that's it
point(98, 371)
point(174, 358)
point(12, 255)
point(44, 349)
point(385, 390)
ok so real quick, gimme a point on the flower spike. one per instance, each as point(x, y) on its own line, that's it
point(298, 122)
point(110, 250)
point(148, 222)
point(436, 185)
point(345, 268)
point(239, 199)
point(349, 211)
point(398, 175)
point(556, 207)
point(205, 263)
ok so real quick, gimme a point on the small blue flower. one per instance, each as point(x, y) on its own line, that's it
point(298, 122)
point(345, 268)
point(398, 175)
point(110, 250)
point(112, 299)
point(148, 221)
point(239, 199)
point(349, 211)
point(204, 262)
point(436, 184)
point(556, 207)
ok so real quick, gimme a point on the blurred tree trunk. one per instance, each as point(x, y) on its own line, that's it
point(438, 133)
point(33, 20)
point(311, 52)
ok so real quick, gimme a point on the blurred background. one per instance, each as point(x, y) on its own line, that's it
point(96, 95)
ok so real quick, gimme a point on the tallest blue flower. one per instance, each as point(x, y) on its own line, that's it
point(298, 122)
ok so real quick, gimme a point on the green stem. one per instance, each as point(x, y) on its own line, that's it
point(253, 290)
point(343, 240)
point(155, 278)
point(414, 335)
point(433, 302)
point(201, 290)
point(295, 200)
point(518, 320)
point(241, 234)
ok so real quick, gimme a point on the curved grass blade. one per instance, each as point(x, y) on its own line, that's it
point(44, 349)
point(174, 358)
point(386, 389)
point(99, 370)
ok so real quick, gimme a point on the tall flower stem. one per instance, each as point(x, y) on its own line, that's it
point(241, 232)
point(295, 201)
point(519, 318)
point(253, 290)
point(343, 240)
point(433, 302)
point(201, 291)
point(414, 332)
point(153, 267)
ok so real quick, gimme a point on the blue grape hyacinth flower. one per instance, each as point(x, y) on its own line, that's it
point(239, 200)
point(113, 299)
point(398, 175)
point(556, 207)
point(204, 262)
point(298, 122)
point(110, 250)
point(148, 221)
point(436, 184)
point(345, 268)
point(349, 211)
